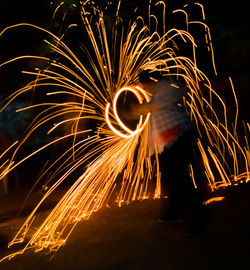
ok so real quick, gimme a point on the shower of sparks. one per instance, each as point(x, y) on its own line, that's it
point(113, 150)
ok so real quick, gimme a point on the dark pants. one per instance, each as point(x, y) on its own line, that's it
point(177, 185)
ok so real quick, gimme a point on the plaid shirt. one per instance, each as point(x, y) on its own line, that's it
point(169, 120)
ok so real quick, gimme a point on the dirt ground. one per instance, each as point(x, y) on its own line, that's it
point(129, 238)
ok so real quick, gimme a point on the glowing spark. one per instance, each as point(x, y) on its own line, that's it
point(214, 199)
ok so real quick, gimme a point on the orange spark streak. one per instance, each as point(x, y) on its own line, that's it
point(113, 149)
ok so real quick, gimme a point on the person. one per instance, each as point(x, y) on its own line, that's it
point(173, 137)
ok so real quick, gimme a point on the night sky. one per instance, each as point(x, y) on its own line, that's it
point(229, 25)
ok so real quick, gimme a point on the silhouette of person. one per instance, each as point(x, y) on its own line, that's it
point(173, 138)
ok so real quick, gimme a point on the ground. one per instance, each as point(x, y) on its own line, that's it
point(129, 237)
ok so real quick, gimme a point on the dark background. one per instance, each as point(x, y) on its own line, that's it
point(145, 244)
point(228, 22)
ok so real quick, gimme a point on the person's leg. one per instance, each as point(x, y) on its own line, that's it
point(197, 214)
point(170, 206)
point(176, 182)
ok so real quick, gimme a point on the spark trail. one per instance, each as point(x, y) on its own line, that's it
point(112, 149)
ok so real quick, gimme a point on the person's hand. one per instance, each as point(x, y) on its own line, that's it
point(136, 110)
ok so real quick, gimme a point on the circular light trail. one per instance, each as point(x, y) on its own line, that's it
point(141, 95)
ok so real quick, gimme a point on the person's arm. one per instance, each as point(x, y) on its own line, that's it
point(136, 110)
